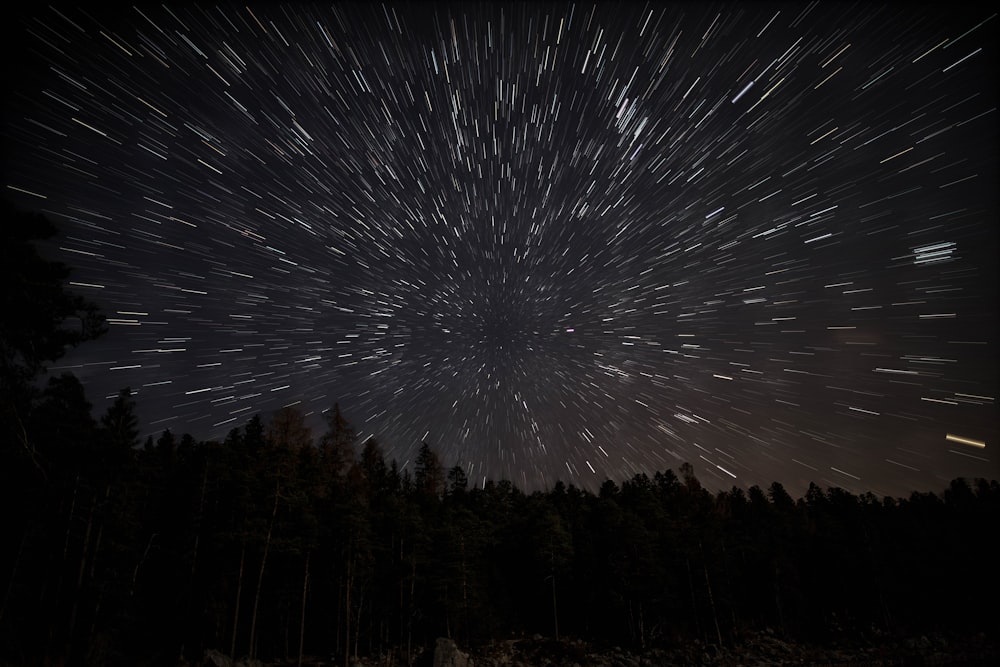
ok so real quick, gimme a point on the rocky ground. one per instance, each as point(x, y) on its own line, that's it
point(762, 649)
point(759, 650)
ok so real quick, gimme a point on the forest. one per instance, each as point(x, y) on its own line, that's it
point(280, 544)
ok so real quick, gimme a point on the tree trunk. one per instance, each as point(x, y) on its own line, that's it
point(347, 607)
point(62, 568)
point(357, 621)
point(409, 618)
point(555, 608)
point(194, 556)
point(302, 616)
point(777, 598)
point(465, 590)
point(694, 600)
point(199, 517)
point(402, 594)
point(239, 589)
point(69, 528)
point(79, 578)
point(260, 575)
point(97, 550)
point(633, 631)
point(642, 629)
point(13, 573)
point(97, 612)
point(138, 566)
point(447, 612)
point(711, 603)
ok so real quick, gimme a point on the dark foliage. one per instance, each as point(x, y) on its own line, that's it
point(41, 319)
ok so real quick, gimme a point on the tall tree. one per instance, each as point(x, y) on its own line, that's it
point(553, 546)
point(64, 426)
point(429, 475)
point(42, 320)
point(373, 466)
point(120, 426)
point(337, 443)
point(287, 435)
point(458, 481)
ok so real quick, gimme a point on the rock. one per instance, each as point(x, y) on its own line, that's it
point(248, 662)
point(446, 654)
point(214, 658)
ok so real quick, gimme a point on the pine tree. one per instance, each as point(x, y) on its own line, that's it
point(120, 427)
point(337, 444)
point(429, 473)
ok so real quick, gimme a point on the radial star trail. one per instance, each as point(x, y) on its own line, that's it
point(554, 241)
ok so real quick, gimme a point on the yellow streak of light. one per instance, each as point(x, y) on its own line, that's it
point(966, 441)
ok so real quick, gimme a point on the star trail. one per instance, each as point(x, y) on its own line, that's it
point(554, 241)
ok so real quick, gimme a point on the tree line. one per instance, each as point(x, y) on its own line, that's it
point(276, 544)
point(272, 545)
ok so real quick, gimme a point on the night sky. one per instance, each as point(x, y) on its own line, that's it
point(554, 241)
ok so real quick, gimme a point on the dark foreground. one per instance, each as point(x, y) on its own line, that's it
point(761, 649)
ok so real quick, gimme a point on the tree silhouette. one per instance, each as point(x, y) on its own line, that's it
point(49, 318)
point(42, 320)
point(429, 475)
point(337, 444)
